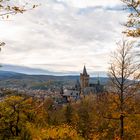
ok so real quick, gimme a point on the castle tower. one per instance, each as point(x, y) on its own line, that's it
point(84, 79)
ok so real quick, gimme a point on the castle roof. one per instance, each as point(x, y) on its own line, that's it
point(85, 71)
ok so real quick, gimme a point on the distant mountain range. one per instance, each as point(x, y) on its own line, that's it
point(26, 70)
point(19, 80)
point(37, 71)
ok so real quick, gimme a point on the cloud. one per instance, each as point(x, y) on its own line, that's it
point(64, 35)
point(88, 3)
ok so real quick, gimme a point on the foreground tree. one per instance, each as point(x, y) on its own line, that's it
point(13, 116)
point(124, 74)
point(1, 44)
point(133, 22)
point(8, 7)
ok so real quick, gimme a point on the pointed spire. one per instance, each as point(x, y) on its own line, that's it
point(84, 71)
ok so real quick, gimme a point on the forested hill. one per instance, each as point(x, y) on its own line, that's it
point(13, 79)
point(5, 75)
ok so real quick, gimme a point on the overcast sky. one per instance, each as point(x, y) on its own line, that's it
point(63, 35)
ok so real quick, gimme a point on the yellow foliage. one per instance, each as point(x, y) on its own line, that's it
point(61, 132)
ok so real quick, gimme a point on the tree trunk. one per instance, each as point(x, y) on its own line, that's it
point(122, 127)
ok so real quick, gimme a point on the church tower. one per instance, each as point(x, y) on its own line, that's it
point(84, 79)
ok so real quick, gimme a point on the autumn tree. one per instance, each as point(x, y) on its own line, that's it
point(1, 44)
point(133, 23)
point(15, 111)
point(9, 7)
point(68, 113)
point(124, 73)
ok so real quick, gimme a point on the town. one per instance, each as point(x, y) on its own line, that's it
point(62, 94)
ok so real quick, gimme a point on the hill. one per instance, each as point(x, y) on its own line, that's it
point(19, 80)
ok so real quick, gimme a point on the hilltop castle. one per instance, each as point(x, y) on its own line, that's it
point(84, 87)
point(87, 87)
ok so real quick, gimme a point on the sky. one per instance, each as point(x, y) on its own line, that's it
point(61, 36)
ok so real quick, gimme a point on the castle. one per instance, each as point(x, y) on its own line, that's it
point(84, 87)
